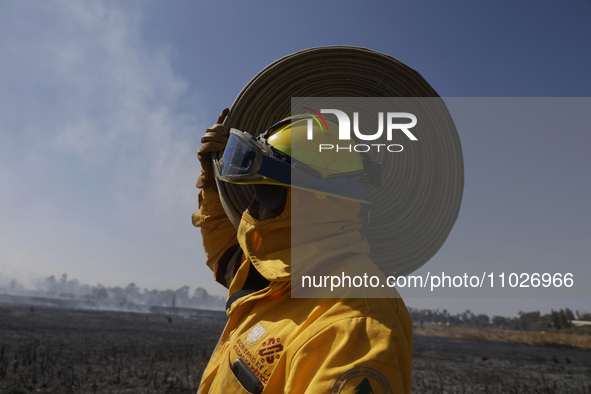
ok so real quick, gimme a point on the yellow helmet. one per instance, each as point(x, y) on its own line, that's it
point(286, 155)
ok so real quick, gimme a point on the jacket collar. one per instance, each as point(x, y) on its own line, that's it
point(311, 231)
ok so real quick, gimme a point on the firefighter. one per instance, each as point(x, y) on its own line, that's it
point(274, 343)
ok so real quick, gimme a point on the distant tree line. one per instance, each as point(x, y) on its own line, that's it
point(129, 295)
point(531, 321)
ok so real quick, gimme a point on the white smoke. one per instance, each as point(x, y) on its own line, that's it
point(97, 149)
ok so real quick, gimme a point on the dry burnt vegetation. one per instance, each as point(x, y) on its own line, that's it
point(449, 365)
point(48, 350)
point(63, 351)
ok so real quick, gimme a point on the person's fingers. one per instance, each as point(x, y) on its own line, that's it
point(206, 168)
point(211, 136)
point(217, 128)
point(223, 115)
point(212, 146)
point(214, 140)
point(203, 156)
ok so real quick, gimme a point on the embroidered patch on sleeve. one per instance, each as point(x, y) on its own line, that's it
point(255, 334)
point(361, 380)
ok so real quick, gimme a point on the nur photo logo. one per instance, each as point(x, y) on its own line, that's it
point(394, 122)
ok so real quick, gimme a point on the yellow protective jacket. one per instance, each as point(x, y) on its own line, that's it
point(301, 345)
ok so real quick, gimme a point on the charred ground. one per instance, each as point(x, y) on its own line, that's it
point(46, 350)
point(49, 350)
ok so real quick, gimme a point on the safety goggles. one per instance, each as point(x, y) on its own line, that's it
point(250, 159)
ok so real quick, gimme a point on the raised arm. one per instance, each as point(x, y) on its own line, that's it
point(219, 235)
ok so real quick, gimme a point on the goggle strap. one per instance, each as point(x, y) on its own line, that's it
point(282, 172)
point(275, 169)
point(341, 187)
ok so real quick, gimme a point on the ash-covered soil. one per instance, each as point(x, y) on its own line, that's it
point(443, 365)
point(45, 350)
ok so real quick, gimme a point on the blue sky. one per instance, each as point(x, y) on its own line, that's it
point(102, 105)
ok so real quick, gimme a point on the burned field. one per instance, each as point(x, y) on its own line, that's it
point(445, 365)
point(48, 350)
